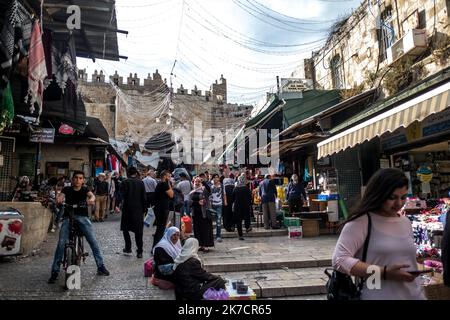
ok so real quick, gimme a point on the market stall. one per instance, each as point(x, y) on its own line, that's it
point(428, 218)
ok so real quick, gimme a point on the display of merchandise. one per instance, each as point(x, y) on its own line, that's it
point(427, 225)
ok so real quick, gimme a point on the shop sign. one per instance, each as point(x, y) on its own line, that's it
point(394, 139)
point(436, 123)
point(65, 129)
point(43, 135)
point(292, 88)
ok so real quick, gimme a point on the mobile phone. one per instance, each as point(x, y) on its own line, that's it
point(417, 272)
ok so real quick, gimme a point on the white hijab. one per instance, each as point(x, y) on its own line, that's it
point(171, 249)
point(189, 250)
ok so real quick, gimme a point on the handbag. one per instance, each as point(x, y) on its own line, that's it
point(341, 286)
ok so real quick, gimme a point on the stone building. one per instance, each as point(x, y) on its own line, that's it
point(398, 51)
point(135, 112)
point(365, 49)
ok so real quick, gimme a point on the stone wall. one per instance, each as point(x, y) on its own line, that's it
point(36, 223)
point(136, 118)
point(75, 155)
point(357, 41)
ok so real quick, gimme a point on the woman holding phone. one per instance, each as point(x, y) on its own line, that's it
point(391, 250)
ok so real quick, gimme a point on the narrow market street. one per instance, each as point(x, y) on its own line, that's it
point(268, 149)
point(294, 268)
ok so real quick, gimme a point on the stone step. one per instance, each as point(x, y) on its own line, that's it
point(285, 282)
point(256, 232)
point(263, 263)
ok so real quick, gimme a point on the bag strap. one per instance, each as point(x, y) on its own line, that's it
point(366, 242)
point(366, 246)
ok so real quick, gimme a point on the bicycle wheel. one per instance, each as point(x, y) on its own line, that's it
point(70, 259)
point(78, 251)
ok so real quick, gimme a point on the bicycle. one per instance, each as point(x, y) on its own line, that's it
point(74, 247)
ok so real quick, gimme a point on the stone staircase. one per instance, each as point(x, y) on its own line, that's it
point(296, 271)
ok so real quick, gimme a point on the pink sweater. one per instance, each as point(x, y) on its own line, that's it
point(391, 242)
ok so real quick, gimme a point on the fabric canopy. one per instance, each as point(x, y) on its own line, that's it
point(417, 109)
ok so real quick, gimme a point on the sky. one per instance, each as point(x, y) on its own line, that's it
point(249, 42)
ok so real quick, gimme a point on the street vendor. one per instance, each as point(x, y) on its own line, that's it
point(295, 194)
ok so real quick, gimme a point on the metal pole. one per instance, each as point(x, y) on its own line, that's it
point(37, 170)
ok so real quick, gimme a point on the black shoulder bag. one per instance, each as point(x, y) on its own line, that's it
point(341, 286)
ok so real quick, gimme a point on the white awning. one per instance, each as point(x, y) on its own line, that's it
point(417, 109)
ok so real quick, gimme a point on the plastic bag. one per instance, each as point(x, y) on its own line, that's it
point(149, 217)
point(213, 294)
point(166, 269)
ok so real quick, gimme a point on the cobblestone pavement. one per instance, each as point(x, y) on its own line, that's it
point(26, 277)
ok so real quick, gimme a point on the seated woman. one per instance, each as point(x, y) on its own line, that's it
point(164, 254)
point(191, 280)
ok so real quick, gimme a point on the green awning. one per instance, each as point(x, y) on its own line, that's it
point(313, 102)
point(267, 112)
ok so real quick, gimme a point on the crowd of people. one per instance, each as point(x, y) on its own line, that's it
point(375, 234)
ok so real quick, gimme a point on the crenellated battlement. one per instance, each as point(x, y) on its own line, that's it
point(216, 94)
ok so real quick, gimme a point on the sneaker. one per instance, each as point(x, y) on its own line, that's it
point(126, 251)
point(219, 239)
point(101, 271)
point(249, 229)
point(101, 220)
point(53, 278)
point(139, 255)
point(241, 238)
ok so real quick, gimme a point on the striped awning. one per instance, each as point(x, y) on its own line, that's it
point(417, 109)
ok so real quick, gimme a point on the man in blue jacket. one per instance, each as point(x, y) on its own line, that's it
point(268, 194)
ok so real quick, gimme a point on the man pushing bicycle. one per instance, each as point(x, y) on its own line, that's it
point(77, 195)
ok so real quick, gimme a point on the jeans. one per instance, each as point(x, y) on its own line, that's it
point(85, 226)
point(218, 221)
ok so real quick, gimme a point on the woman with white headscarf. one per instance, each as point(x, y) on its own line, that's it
point(191, 280)
point(242, 199)
point(165, 252)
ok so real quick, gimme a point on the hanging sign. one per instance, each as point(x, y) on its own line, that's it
point(43, 135)
point(65, 129)
point(425, 174)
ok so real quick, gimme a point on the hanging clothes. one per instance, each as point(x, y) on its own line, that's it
point(64, 63)
point(37, 71)
point(114, 162)
point(11, 42)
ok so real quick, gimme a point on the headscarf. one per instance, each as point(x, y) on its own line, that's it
point(241, 180)
point(171, 249)
point(197, 189)
point(189, 250)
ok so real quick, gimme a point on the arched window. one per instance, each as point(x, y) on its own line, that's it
point(336, 72)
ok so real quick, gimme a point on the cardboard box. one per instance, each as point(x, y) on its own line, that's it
point(233, 295)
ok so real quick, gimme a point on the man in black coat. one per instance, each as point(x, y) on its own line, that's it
point(133, 211)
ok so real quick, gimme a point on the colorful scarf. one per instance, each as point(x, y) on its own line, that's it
point(37, 70)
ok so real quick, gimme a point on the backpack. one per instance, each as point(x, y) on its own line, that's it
point(340, 286)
